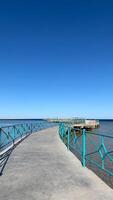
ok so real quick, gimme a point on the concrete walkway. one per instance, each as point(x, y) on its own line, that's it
point(41, 168)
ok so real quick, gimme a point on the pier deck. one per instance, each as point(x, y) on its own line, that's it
point(41, 168)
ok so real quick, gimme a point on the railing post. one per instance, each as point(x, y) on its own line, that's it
point(101, 153)
point(68, 138)
point(31, 128)
point(13, 134)
point(83, 147)
point(62, 131)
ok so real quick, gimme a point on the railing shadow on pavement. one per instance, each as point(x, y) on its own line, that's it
point(11, 136)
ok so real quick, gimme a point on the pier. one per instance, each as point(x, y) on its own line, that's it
point(41, 168)
point(78, 123)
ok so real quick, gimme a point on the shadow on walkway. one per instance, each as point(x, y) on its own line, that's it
point(4, 159)
point(5, 156)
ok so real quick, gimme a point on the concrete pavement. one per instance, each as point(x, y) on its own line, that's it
point(41, 168)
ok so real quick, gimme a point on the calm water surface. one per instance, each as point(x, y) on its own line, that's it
point(106, 128)
point(7, 122)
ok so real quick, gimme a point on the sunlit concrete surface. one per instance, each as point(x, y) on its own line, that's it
point(41, 168)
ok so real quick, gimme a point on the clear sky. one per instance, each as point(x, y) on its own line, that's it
point(56, 58)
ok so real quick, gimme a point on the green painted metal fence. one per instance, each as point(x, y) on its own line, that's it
point(90, 147)
point(11, 136)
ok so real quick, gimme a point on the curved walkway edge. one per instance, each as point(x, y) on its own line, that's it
point(41, 168)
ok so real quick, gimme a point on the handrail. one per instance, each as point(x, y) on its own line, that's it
point(109, 136)
point(9, 134)
point(92, 147)
point(12, 135)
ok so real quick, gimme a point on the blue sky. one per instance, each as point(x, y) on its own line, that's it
point(56, 58)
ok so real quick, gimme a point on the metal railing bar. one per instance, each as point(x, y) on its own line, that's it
point(108, 136)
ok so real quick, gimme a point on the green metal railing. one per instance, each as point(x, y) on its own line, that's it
point(11, 136)
point(90, 147)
